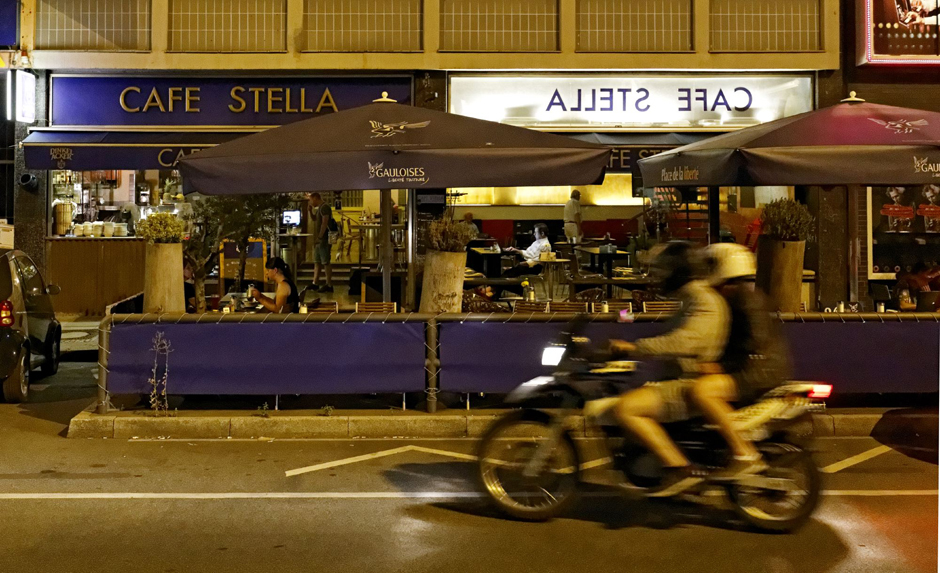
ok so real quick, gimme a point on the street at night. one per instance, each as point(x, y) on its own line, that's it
point(379, 505)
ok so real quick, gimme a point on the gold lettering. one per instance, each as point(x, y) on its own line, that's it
point(272, 99)
point(192, 96)
point(124, 105)
point(174, 94)
point(287, 106)
point(257, 92)
point(303, 101)
point(235, 91)
point(326, 96)
point(160, 158)
point(179, 156)
point(154, 101)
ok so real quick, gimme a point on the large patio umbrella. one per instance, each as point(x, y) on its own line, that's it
point(389, 146)
point(853, 143)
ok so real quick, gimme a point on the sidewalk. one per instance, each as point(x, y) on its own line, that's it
point(294, 424)
point(80, 334)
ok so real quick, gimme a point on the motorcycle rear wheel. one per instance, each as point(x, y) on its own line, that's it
point(780, 512)
point(504, 452)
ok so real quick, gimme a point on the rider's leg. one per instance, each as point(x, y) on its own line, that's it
point(638, 410)
point(711, 394)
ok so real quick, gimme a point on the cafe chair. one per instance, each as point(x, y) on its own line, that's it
point(574, 307)
point(589, 295)
point(324, 307)
point(528, 307)
point(576, 273)
point(380, 307)
point(662, 306)
point(802, 307)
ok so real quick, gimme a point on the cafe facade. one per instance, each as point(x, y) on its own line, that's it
point(107, 151)
point(637, 114)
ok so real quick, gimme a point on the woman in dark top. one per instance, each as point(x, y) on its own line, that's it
point(286, 299)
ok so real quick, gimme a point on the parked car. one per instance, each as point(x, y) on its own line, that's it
point(30, 335)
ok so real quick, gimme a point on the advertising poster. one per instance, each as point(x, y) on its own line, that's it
point(904, 229)
point(902, 30)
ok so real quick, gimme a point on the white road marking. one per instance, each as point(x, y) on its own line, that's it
point(347, 461)
point(373, 495)
point(854, 460)
point(411, 448)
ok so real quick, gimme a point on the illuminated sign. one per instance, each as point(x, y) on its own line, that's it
point(25, 105)
point(612, 102)
point(898, 32)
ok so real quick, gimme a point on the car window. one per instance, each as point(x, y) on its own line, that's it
point(29, 275)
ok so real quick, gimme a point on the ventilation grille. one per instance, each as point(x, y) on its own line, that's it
point(634, 25)
point(499, 26)
point(768, 26)
point(105, 25)
point(228, 26)
point(363, 25)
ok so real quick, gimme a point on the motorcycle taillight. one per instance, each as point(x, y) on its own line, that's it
point(820, 391)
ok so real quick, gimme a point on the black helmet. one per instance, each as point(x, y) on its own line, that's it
point(675, 265)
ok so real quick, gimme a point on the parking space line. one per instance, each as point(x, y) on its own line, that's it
point(347, 461)
point(854, 460)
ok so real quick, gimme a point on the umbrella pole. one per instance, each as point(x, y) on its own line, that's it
point(387, 252)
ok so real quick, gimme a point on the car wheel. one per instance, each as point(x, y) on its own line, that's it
point(16, 386)
point(51, 363)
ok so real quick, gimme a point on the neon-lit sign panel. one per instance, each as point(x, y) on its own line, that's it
point(899, 32)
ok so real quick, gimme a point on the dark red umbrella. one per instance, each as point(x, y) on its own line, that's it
point(853, 143)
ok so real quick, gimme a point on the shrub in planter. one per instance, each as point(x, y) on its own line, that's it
point(442, 287)
point(785, 227)
point(163, 271)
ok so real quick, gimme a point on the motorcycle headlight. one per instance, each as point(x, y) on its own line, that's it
point(552, 355)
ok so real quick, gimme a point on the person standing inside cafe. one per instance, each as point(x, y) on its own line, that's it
point(322, 215)
point(573, 218)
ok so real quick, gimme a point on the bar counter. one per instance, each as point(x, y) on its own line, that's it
point(94, 271)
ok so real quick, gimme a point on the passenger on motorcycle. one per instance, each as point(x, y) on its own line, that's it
point(754, 358)
point(696, 342)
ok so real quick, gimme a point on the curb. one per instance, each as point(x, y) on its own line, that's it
point(277, 426)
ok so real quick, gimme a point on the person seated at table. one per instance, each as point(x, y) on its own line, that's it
point(468, 222)
point(531, 256)
point(286, 299)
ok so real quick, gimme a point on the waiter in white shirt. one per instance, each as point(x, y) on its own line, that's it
point(530, 264)
point(573, 218)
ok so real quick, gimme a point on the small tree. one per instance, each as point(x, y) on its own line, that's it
point(247, 217)
point(201, 248)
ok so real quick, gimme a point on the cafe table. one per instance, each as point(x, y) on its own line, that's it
point(551, 269)
point(606, 261)
point(492, 261)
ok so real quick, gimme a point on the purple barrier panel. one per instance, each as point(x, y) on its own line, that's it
point(869, 357)
point(496, 357)
point(289, 358)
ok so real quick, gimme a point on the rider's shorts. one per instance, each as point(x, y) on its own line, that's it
point(675, 395)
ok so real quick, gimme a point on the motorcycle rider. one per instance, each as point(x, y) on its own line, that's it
point(753, 361)
point(696, 342)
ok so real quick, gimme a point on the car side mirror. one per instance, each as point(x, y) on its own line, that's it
point(53, 290)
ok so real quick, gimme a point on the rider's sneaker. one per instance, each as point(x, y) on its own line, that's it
point(679, 480)
point(741, 467)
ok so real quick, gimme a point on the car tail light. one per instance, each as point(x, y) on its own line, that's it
point(6, 313)
point(820, 391)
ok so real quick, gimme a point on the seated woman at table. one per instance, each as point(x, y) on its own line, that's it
point(531, 256)
point(286, 299)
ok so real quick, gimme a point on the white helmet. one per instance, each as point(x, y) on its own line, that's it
point(728, 261)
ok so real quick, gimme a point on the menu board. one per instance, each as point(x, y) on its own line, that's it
point(901, 31)
point(903, 230)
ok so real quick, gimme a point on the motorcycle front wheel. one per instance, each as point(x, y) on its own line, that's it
point(505, 453)
point(780, 510)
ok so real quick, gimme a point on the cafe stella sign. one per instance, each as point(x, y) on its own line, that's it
point(110, 101)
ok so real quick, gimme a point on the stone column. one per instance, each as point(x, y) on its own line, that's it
point(31, 207)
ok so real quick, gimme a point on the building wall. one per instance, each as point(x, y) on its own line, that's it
point(713, 35)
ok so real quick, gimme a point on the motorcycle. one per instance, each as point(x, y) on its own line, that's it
point(532, 468)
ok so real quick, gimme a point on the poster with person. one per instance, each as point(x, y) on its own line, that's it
point(904, 27)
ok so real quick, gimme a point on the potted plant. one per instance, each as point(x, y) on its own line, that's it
point(163, 270)
point(442, 287)
point(201, 248)
point(785, 227)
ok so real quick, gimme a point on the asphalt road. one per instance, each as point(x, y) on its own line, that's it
point(404, 505)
